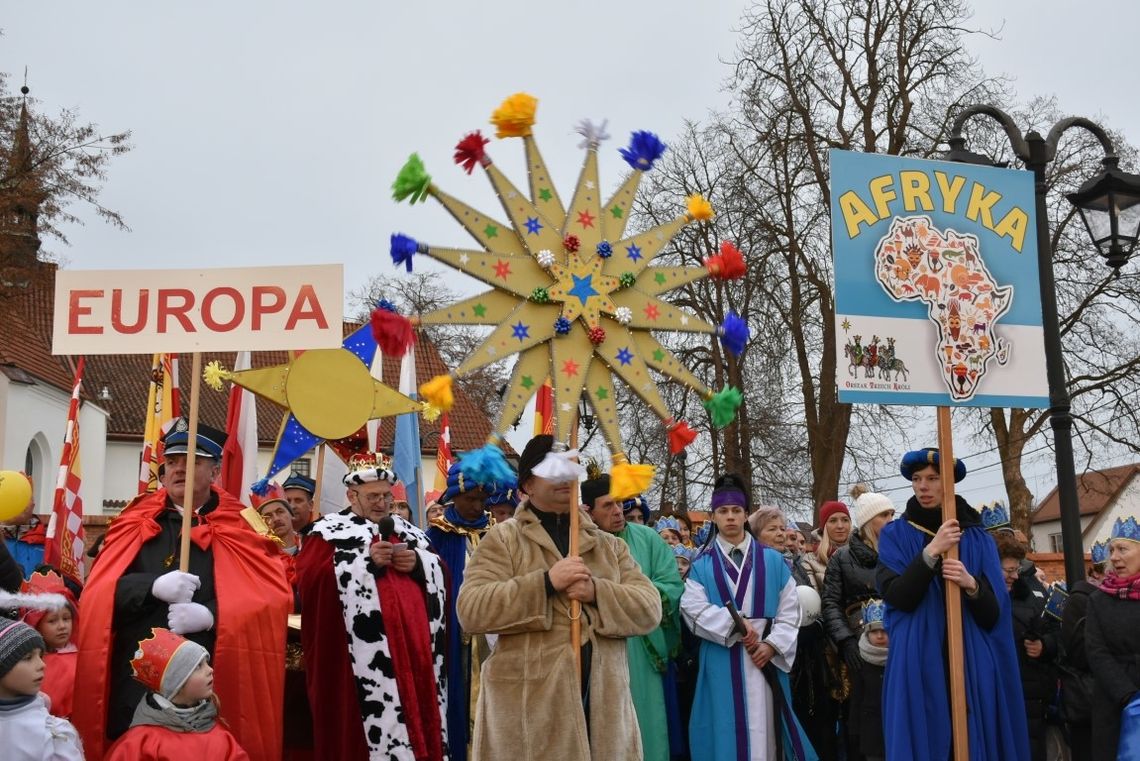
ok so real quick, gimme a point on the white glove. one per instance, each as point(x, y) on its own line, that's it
point(189, 617)
point(175, 586)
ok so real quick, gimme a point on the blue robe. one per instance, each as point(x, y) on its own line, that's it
point(916, 699)
point(720, 721)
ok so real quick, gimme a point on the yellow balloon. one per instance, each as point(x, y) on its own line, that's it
point(15, 493)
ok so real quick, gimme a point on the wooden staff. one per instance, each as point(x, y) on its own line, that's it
point(315, 512)
point(191, 457)
point(953, 596)
point(575, 605)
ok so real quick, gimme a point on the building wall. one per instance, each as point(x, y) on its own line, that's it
point(1040, 541)
point(1128, 503)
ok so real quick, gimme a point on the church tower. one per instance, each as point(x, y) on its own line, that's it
point(21, 194)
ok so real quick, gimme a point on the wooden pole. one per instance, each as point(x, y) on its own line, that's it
point(575, 606)
point(191, 456)
point(315, 512)
point(953, 596)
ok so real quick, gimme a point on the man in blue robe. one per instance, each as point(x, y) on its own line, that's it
point(911, 576)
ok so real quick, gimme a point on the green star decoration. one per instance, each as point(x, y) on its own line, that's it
point(480, 309)
point(527, 382)
point(660, 278)
point(545, 194)
point(491, 231)
point(602, 393)
point(617, 212)
point(658, 355)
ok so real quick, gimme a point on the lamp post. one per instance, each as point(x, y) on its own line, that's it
point(1109, 203)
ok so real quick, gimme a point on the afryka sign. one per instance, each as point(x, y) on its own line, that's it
point(144, 311)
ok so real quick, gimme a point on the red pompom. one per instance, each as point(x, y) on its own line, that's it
point(393, 332)
point(680, 436)
point(728, 264)
point(471, 150)
point(597, 335)
point(571, 243)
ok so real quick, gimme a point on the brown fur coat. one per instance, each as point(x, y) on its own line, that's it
point(530, 705)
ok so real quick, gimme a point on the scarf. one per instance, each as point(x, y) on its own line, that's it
point(929, 520)
point(1122, 587)
point(873, 654)
point(155, 710)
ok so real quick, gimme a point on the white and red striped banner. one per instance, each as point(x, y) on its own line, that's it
point(64, 547)
point(443, 458)
point(239, 457)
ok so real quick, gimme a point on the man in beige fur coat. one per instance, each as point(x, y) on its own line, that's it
point(519, 584)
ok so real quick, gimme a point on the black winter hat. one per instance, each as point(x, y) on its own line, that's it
point(17, 639)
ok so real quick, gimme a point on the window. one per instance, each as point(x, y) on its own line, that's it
point(1056, 543)
point(302, 466)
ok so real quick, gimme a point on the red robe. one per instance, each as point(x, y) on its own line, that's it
point(59, 681)
point(151, 743)
point(254, 601)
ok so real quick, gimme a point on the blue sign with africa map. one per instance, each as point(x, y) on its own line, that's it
point(937, 298)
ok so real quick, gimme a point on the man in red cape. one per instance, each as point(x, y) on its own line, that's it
point(383, 696)
point(234, 602)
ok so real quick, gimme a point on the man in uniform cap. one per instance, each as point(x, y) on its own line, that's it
point(299, 491)
point(232, 601)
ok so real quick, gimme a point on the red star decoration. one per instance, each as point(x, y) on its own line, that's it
point(570, 367)
point(502, 269)
point(651, 312)
point(585, 219)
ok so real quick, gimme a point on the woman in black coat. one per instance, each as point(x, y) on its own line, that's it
point(1112, 639)
point(850, 582)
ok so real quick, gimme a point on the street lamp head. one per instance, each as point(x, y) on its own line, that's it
point(584, 414)
point(959, 154)
point(1109, 204)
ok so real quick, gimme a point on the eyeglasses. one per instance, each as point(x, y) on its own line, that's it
point(371, 498)
point(1011, 571)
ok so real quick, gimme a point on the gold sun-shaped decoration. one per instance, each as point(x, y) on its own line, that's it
point(571, 295)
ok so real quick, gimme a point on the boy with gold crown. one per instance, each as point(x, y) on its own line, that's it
point(370, 578)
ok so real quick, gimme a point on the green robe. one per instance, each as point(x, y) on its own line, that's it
point(648, 655)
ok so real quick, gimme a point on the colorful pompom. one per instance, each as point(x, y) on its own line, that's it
point(722, 406)
point(728, 264)
point(403, 250)
point(545, 258)
point(471, 150)
point(623, 315)
point(699, 208)
point(733, 333)
point(412, 182)
point(515, 116)
point(680, 436)
point(386, 305)
point(213, 374)
point(604, 249)
point(594, 133)
point(540, 296)
point(486, 465)
point(627, 279)
point(260, 487)
point(628, 480)
point(644, 149)
point(393, 332)
point(571, 243)
point(437, 392)
point(597, 335)
point(430, 412)
point(561, 326)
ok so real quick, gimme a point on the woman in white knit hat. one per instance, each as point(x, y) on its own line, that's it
point(850, 582)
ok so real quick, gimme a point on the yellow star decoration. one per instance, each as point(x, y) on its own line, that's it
point(603, 282)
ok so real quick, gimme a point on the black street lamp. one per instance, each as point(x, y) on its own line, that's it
point(1109, 203)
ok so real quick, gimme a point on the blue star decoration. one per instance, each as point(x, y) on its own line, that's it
point(633, 252)
point(583, 288)
point(533, 225)
point(521, 331)
point(624, 355)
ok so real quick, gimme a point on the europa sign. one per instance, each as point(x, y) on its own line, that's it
point(937, 299)
point(144, 311)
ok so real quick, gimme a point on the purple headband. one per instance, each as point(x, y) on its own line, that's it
point(728, 497)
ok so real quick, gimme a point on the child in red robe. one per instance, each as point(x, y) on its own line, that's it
point(178, 718)
point(57, 627)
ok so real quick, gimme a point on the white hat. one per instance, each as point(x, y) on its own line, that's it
point(868, 504)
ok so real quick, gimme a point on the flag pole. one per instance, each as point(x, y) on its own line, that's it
point(191, 453)
point(315, 512)
point(953, 595)
point(575, 605)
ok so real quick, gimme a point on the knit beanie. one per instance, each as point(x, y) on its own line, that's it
point(17, 639)
point(869, 504)
point(182, 664)
point(165, 660)
point(829, 509)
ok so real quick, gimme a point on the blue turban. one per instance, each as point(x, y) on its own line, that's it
point(920, 458)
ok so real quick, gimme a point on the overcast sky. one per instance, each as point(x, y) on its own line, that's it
point(269, 132)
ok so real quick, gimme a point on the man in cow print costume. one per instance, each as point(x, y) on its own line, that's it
point(373, 578)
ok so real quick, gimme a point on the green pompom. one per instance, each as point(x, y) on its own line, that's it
point(722, 406)
point(627, 279)
point(412, 182)
point(540, 296)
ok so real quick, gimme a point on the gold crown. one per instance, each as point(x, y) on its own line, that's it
point(153, 656)
point(369, 461)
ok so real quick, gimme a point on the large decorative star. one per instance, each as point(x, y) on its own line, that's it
point(582, 289)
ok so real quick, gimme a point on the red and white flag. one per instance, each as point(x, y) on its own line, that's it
point(239, 456)
point(443, 458)
point(63, 547)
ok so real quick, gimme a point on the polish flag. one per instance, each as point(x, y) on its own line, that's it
point(239, 457)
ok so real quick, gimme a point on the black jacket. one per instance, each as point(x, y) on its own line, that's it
point(850, 580)
point(10, 573)
point(1038, 675)
point(1112, 643)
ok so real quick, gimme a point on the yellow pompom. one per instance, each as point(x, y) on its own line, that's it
point(699, 207)
point(437, 392)
point(628, 480)
point(430, 412)
point(515, 116)
point(214, 374)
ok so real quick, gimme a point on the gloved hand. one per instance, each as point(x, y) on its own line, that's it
point(175, 586)
point(851, 655)
point(189, 617)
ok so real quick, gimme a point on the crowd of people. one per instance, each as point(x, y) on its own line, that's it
point(747, 637)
